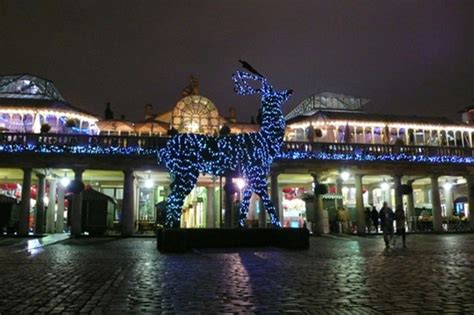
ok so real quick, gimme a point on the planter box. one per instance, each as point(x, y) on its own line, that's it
point(182, 240)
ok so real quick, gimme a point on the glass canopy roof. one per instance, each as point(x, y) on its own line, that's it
point(29, 87)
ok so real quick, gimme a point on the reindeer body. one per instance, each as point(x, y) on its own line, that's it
point(250, 154)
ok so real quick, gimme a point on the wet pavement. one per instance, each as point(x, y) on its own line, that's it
point(337, 275)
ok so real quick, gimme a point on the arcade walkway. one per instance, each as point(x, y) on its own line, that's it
point(337, 275)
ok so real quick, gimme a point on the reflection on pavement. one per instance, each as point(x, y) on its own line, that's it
point(34, 247)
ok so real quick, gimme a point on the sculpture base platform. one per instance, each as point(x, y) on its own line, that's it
point(182, 240)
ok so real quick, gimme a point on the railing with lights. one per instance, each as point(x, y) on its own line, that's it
point(91, 144)
point(83, 144)
point(359, 148)
point(376, 152)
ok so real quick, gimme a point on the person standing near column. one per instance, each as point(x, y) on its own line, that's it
point(386, 223)
point(368, 219)
point(375, 218)
point(400, 223)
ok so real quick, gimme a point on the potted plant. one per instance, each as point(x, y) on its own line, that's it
point(320, 189)
point(225, 131)
point(45, 128)
point(70, 123)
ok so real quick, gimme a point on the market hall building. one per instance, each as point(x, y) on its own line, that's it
point(356, 160)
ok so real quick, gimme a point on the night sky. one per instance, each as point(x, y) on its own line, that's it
point(408, 57)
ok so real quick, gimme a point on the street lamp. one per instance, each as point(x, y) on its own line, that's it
point(240, 183)
point(385, 186)
point(149, 182)
point(65, 181)
point(447, 186)
point(345, 176)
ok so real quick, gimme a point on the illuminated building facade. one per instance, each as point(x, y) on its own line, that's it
point(32, 104)
point(362, 158)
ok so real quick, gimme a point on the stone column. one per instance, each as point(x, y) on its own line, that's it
point(448, 201)
point(470, 200)
point(60, 212)
point(280, 204)
point(275, 196)
point(262, 216)
point(318, 224)
point(128, 204)
point(51, 212)
point(397, 182)
point(76, 211)
point(370, 195)
point(426, 194)
point(24, 217)
point(436, 204)
point(388, 196)
point(359, 205)
point(39, 212)
point(220, 223)
point(228, 203)
point(339, 202)
point(411, 207)
point(211, 211)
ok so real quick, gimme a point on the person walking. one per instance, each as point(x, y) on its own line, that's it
point(386, 223)
point(400, 223)
point(368, 219)
point(375, 218)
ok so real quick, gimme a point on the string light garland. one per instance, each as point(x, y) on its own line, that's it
point(75, 149)
point(289, 155)
point(368, 157)
point(248, 154)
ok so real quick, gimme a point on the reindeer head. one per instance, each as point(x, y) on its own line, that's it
point(242, 87)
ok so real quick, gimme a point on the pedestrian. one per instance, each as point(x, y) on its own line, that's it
point(400, 223)
point(386, 223)
point(375, 218)
point(342, 217)
point(368, 219)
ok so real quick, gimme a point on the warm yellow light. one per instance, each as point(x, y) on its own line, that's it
point(193, 126)
point(379, 124)
point(240, 183)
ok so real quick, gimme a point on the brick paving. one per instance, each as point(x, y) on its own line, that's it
point(338, 275)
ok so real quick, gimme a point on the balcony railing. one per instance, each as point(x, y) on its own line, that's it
point(84, 144)
point(94, 144)
point(376, 149)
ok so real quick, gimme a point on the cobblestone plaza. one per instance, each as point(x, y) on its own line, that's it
point(337, 275)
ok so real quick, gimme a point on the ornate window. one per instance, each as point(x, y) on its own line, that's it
point(195, 114)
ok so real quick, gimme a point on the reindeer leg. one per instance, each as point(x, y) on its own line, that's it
point(244, 206)
point(269, 207)
point(182, 186)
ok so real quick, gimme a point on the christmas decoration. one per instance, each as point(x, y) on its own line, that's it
point(248, 154)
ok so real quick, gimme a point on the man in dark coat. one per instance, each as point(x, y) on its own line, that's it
point(386, 223)
point(375, 218)
point(368, 219)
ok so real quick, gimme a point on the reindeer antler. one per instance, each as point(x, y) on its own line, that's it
point(247, 66)
point(242, 87)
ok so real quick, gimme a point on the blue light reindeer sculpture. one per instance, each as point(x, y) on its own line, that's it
point(248, 154)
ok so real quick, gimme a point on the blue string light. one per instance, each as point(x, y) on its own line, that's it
point(74, 149)
point(248, 154)
point(367, 157)
point(289, 155)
